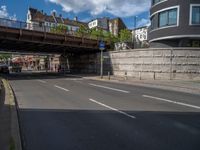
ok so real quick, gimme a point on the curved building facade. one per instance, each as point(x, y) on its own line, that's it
point(175, 23)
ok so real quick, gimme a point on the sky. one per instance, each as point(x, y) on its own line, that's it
point(85, 10)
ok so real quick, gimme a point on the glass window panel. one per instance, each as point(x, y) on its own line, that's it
point(172, 17)
point(163, 19)
point(196, 15)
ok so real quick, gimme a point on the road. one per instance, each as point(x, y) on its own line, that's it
point(69, 113)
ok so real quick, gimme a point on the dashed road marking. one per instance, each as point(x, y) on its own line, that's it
point(105, 87)
point(111, 108)
point(61, 88)
point(73, 79)
point(171, 101)
point(42, 81)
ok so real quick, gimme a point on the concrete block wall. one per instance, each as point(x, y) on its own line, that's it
point(178, 63)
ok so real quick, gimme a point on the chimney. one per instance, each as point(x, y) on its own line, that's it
point(76, 18)
point(53, 13)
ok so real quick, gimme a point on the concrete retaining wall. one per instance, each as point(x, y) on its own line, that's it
point(179, 63)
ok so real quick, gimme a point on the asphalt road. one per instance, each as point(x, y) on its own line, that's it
point(77, 114)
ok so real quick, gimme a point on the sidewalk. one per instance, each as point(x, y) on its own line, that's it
point(5, 120)
point(187, 86)
point(9, 127)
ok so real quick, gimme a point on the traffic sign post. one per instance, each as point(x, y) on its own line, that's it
point(101, 47)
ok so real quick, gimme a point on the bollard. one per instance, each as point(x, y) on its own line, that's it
point(125, 75)
point(154, 75)
point(140, 76)
point(108, 75)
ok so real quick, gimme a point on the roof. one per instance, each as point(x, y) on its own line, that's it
point(39, 16)
point(119, 20)
point(142, 27)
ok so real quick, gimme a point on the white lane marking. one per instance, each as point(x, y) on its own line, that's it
point(73, 79)
point(61, 88)
point(111, 108)
point(171, 101)
point(42, 81)
point(105, 87)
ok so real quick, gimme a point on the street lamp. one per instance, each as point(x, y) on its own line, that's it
point(135, 21)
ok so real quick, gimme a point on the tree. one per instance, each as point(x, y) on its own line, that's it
point(60, 29)
point(111, 39)
point(97, 34)
point(83, 31)
point(5, 57)
point(125, 35)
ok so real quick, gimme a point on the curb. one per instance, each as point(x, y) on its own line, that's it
point(151, 85)
point(14, 126)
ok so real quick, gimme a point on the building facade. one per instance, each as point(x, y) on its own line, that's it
point(116, 25)
point(99, 23)
point(40, 21)
point(175, 23)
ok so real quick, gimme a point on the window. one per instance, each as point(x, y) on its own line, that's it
point(156, 1)
point(168, 18)
point(195, 15)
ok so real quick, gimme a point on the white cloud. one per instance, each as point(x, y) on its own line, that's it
point(53, 11)
point(4, 13)
point(143, 22)
point(121, 8)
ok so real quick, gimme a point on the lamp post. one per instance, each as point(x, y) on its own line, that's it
point(135, 21)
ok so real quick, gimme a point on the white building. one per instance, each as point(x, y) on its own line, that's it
point(140, 34)
point(100, 23)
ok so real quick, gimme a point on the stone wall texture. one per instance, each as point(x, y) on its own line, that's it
point(178, 63)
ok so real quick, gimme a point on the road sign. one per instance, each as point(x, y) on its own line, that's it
point(101, 45)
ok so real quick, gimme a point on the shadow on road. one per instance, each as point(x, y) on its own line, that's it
point(106, 130)
point(33, 76)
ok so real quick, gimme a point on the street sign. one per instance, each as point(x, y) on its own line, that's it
point(101, 45)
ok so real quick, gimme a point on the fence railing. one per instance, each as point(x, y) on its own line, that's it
point(39, 27)
point(48, 29)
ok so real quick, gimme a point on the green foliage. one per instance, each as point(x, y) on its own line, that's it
point(83, 31)
point(60, 29)
point(12, 144)
point(125, 35)
point(97, 34)
point(5, 56)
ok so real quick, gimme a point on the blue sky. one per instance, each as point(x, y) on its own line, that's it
point(84, 9)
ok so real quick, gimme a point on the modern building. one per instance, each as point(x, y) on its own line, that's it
point(175, 23)
point(116, 25)
point(37, 20)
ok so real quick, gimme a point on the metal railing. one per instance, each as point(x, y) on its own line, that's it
point(38, 27)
